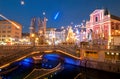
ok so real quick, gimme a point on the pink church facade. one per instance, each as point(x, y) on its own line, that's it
point(104, 26)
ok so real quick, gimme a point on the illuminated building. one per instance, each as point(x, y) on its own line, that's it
point(39, 34)
point(32, 25)
point(50, 35)
point(9, 33)
point(42, 26)
point(80, 33)
point(103, 27)
point(60, 35)
point(25, 39)
point(55, 36)
point(42, 30)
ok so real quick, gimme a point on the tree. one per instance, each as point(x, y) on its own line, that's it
point(71, 36)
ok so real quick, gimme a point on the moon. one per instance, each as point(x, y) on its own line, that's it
point(43, 13)
point(22, 2)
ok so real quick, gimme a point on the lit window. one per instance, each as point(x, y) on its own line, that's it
point(108, 53)
point(112, 53)
point(117, 53)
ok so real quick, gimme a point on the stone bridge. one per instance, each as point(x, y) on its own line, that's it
point(17, 53)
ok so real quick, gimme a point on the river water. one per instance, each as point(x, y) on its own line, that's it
point(49, 61)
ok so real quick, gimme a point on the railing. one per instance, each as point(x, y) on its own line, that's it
point(11, 58)
point(38, 73)
point(18, 55)
point(100, 47)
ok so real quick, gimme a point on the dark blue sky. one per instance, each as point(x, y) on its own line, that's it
point(69, 10)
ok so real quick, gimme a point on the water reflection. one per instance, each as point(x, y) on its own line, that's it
point(49, 61)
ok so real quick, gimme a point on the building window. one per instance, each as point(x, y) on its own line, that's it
point(117, 26)
point(8, 31)
point(3, 31)
point(3, 35)
point(3, 39)
point(112, 27)
point(96, 19)
point(3, 27)
point(9, 27)
point(8, 35)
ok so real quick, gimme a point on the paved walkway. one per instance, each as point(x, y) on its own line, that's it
point(39, 73)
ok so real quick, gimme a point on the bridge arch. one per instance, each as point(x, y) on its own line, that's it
point(64, 58)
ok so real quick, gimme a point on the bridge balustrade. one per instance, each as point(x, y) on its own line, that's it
point(100, 47)
point(15, 47)
point(28, 49)
point(38, 73)
point(15, 56)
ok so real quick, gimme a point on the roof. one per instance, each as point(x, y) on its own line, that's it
point(115, 17)
point(59, 30)
point(25, 34)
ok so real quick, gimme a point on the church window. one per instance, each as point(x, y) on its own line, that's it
point(96, 19)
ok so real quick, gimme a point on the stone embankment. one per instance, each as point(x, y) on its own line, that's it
point(105, 66)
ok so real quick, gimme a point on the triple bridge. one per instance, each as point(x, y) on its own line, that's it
point(10, 54)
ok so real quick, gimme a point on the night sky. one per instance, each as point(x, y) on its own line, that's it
point(66, 11)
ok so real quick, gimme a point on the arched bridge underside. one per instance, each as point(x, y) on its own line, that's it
point(37, 50)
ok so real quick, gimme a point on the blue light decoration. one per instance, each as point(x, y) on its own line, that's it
point(42, 65)
point(30, 60)
point(71, 61)
point(50, 66)
point(26, 62)
point(66, 59)
point(46, 65)
point(51, 56)
point(56, 15)
point(77, 32)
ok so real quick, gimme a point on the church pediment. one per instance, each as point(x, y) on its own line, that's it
point(96, 11)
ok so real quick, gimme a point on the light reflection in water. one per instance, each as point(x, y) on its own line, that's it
point(26, 62)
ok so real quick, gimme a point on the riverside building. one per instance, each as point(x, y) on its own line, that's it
point(103, 27)
point(10, 32)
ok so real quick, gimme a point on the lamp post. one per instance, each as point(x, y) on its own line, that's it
point(33, 39)
point(53, 40)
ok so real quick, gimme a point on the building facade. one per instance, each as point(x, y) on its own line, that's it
point(10, 32)
point(103, 28)
point(38, 30)
point(50, 36)
point(55, 36)
point(25, 39)
point(60, 35)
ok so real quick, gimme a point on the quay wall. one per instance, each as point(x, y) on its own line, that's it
point(105, 66)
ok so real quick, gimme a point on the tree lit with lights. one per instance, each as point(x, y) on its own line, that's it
point(71, 36)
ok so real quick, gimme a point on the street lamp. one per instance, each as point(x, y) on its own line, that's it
point(36, 40)
point(53, 39)
point(33, 38)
